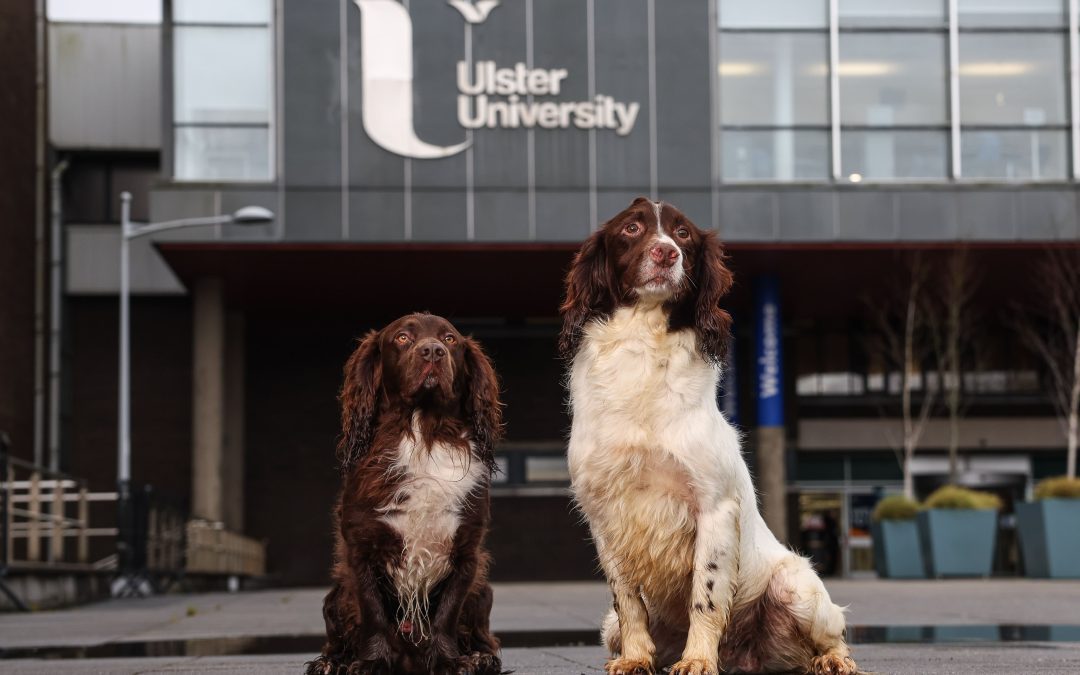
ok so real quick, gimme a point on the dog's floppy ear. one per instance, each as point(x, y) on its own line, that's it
point(590, 291)
point(714, 280)
point(360, 400)
point(483, 409)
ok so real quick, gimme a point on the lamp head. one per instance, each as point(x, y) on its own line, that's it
point(252, 215)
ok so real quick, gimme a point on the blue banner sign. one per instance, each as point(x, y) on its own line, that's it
point(769, 353)
point(729, 386)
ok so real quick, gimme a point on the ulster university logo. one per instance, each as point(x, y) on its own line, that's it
point(489, 96)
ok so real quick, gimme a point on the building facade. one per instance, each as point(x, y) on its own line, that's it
point(450, 156)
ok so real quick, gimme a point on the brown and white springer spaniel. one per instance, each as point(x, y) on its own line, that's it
point(698, 580)
point(420, 413)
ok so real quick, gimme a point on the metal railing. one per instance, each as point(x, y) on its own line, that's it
point(45, 520)
point(51, 522)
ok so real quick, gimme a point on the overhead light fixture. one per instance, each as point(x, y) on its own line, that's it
point(739, 68)
point(855, 178)
point(996, 69)
point(854, 69)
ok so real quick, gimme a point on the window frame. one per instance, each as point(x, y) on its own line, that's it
point(271, 125)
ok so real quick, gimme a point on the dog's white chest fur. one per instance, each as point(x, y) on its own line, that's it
point(426, 511)
point(648, 445)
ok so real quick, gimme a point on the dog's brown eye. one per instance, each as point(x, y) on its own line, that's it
point(632, 228)
point(449, 339)
point(402, 338)
point(682, 232)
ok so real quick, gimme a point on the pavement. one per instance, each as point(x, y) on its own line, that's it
point(208, 627)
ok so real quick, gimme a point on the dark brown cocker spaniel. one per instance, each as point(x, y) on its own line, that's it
point(420, 414)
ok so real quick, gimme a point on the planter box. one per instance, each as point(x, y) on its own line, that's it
point(897, 549)
point(1049, 532)
point(958, 542)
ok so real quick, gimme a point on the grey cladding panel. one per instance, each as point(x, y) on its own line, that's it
point(926, 216)
point(991, 215)
point(104, 86)
point(561, 42)
point(683, 97)
point(376, 215)
point(312, 93)
point(865, 216)
point(502, 215)
point(611, 202)
point(369, 165)
point(313, 215)
point(622, 72)
point(748, 216)
point(1046, 215)
point(499, 155)
point(562, 216)
point(438, 44)
point(438, 215)
point(807, 215)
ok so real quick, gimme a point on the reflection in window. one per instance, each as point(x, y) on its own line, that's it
point(1015, 154)
point(774, 14)
point(774, 78)
point(907, 14)
point(775, 154)
point(891, 79)
point(221, 74)
point(223, 90)
point(216, 11)
point(894, 154)
point(1014, 78)
point(1011, 13)
point(223, 153)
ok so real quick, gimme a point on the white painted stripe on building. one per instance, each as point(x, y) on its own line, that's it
point(343, 75)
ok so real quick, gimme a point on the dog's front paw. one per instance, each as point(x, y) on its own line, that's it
point(629, 667)
point(833, 664)
point(322, 665)
point(694, 667)
point(479, 663)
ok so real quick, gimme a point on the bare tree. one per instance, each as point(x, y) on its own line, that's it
point(952, 326)
point(903, 340)
point(1051, 329)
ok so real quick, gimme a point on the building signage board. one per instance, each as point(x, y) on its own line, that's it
point(769, 343)
point(490, 96)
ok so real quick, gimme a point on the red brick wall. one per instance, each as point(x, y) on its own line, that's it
point(17, 199)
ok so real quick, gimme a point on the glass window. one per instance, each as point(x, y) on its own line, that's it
point(894, 154)
point(1012, 78)
point(223, 90)
point(223, 153)
point(778, 154)
point(893, 79)
point(216, 11)
point(222, 74)
point(774, 14)
point(906, 14)
point(1014, 154)
point(774, 78)
point(1011, 13)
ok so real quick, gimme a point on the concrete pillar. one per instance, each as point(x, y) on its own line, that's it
point(771, 465)
point(772, 479)
point(208, 432)
point(233, 473)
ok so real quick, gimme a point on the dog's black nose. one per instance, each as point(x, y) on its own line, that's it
point(432, 350)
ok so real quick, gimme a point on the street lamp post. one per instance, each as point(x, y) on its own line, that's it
point(248, 215)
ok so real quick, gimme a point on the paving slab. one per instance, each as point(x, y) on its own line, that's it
point(1028, 659)
point(523, 607)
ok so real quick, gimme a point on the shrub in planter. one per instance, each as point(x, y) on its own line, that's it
point(897, 549)
point(1049, 529)
point(958, 528)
